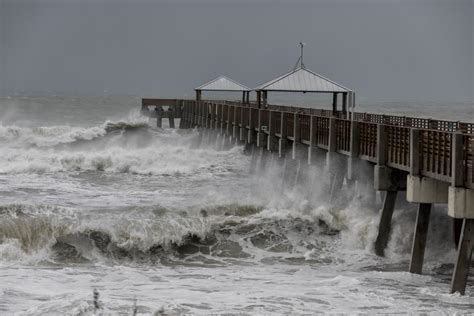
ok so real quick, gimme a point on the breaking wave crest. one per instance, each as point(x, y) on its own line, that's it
point(125, 146)
point(49, 136)
point(35, 234)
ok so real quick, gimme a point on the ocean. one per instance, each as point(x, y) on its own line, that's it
point(101, 212)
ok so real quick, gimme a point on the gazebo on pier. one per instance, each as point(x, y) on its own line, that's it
point(304, 80)
point(223, 83)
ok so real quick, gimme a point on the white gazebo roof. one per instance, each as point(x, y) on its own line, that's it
point(222, 83)
point(301, 79)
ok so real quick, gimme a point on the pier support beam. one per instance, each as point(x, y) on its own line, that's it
point(159, 116)
point(426, 190)
point(261, 139)
point(283, 143)
point(460, 199)
point(419, 238)
point(315, 154)
point(273, 143)
point(171, 117)
point(463, 261)
point(460, 202)
point(336, 166)
point(389, 180)
point(461, 207)
point(255, 152)
point(385, 222)
point(336, 169)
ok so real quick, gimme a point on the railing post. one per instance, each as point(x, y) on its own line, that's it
point(296, 128)
point(261, 136)
point(332, 135)
point(297, 150)
point(457, 162)
point(251, 137)
point(283, 123)
point(171, 118)
point(415, 151)
point(213, 116)
point(243, 124)
point(229, 123)
point(312, 131)
point(312, 140)
point(381, 151)
point(354, 142)
point(181, 118)
point(283, 142)
point(221, 119)
point(235, 124)
point(201, 117)
point(195, 114)
point(272, 141)
point(353, 150)
point(205, 107)
point(159, 116)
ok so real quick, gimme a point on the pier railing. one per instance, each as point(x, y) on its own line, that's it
point(431, 140)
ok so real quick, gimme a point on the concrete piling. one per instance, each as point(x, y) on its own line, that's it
point(171, 118)
point(159, 116)
point(419, 238)
point(385, 222)
point(464, 256)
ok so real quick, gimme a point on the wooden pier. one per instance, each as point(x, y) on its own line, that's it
point(432, 160)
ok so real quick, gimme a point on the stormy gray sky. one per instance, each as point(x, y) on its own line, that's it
point(385, 50)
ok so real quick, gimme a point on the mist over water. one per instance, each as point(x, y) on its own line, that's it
point(92, 196)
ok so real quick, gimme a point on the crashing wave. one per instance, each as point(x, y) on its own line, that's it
point(158, 235)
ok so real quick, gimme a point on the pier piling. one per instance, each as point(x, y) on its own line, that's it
point(419, 237)
point(385, 222)
point(463, 261)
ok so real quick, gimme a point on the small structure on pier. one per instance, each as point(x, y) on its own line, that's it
point(223, 83)
point(301, 79)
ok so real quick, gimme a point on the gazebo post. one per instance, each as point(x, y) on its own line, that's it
point(265, 95)
point(248, 96)
point(344, 102)
point(334, 103)
point(259, 98)
point(198, 95)
point(243, 96)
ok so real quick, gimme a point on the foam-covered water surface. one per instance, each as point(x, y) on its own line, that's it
point(94, 198)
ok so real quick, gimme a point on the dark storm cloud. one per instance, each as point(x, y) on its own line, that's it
point(393, 50)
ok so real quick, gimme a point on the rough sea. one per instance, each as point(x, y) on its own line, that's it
point(95, 198)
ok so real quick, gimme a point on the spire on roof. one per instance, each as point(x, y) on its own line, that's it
point(300, 59)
